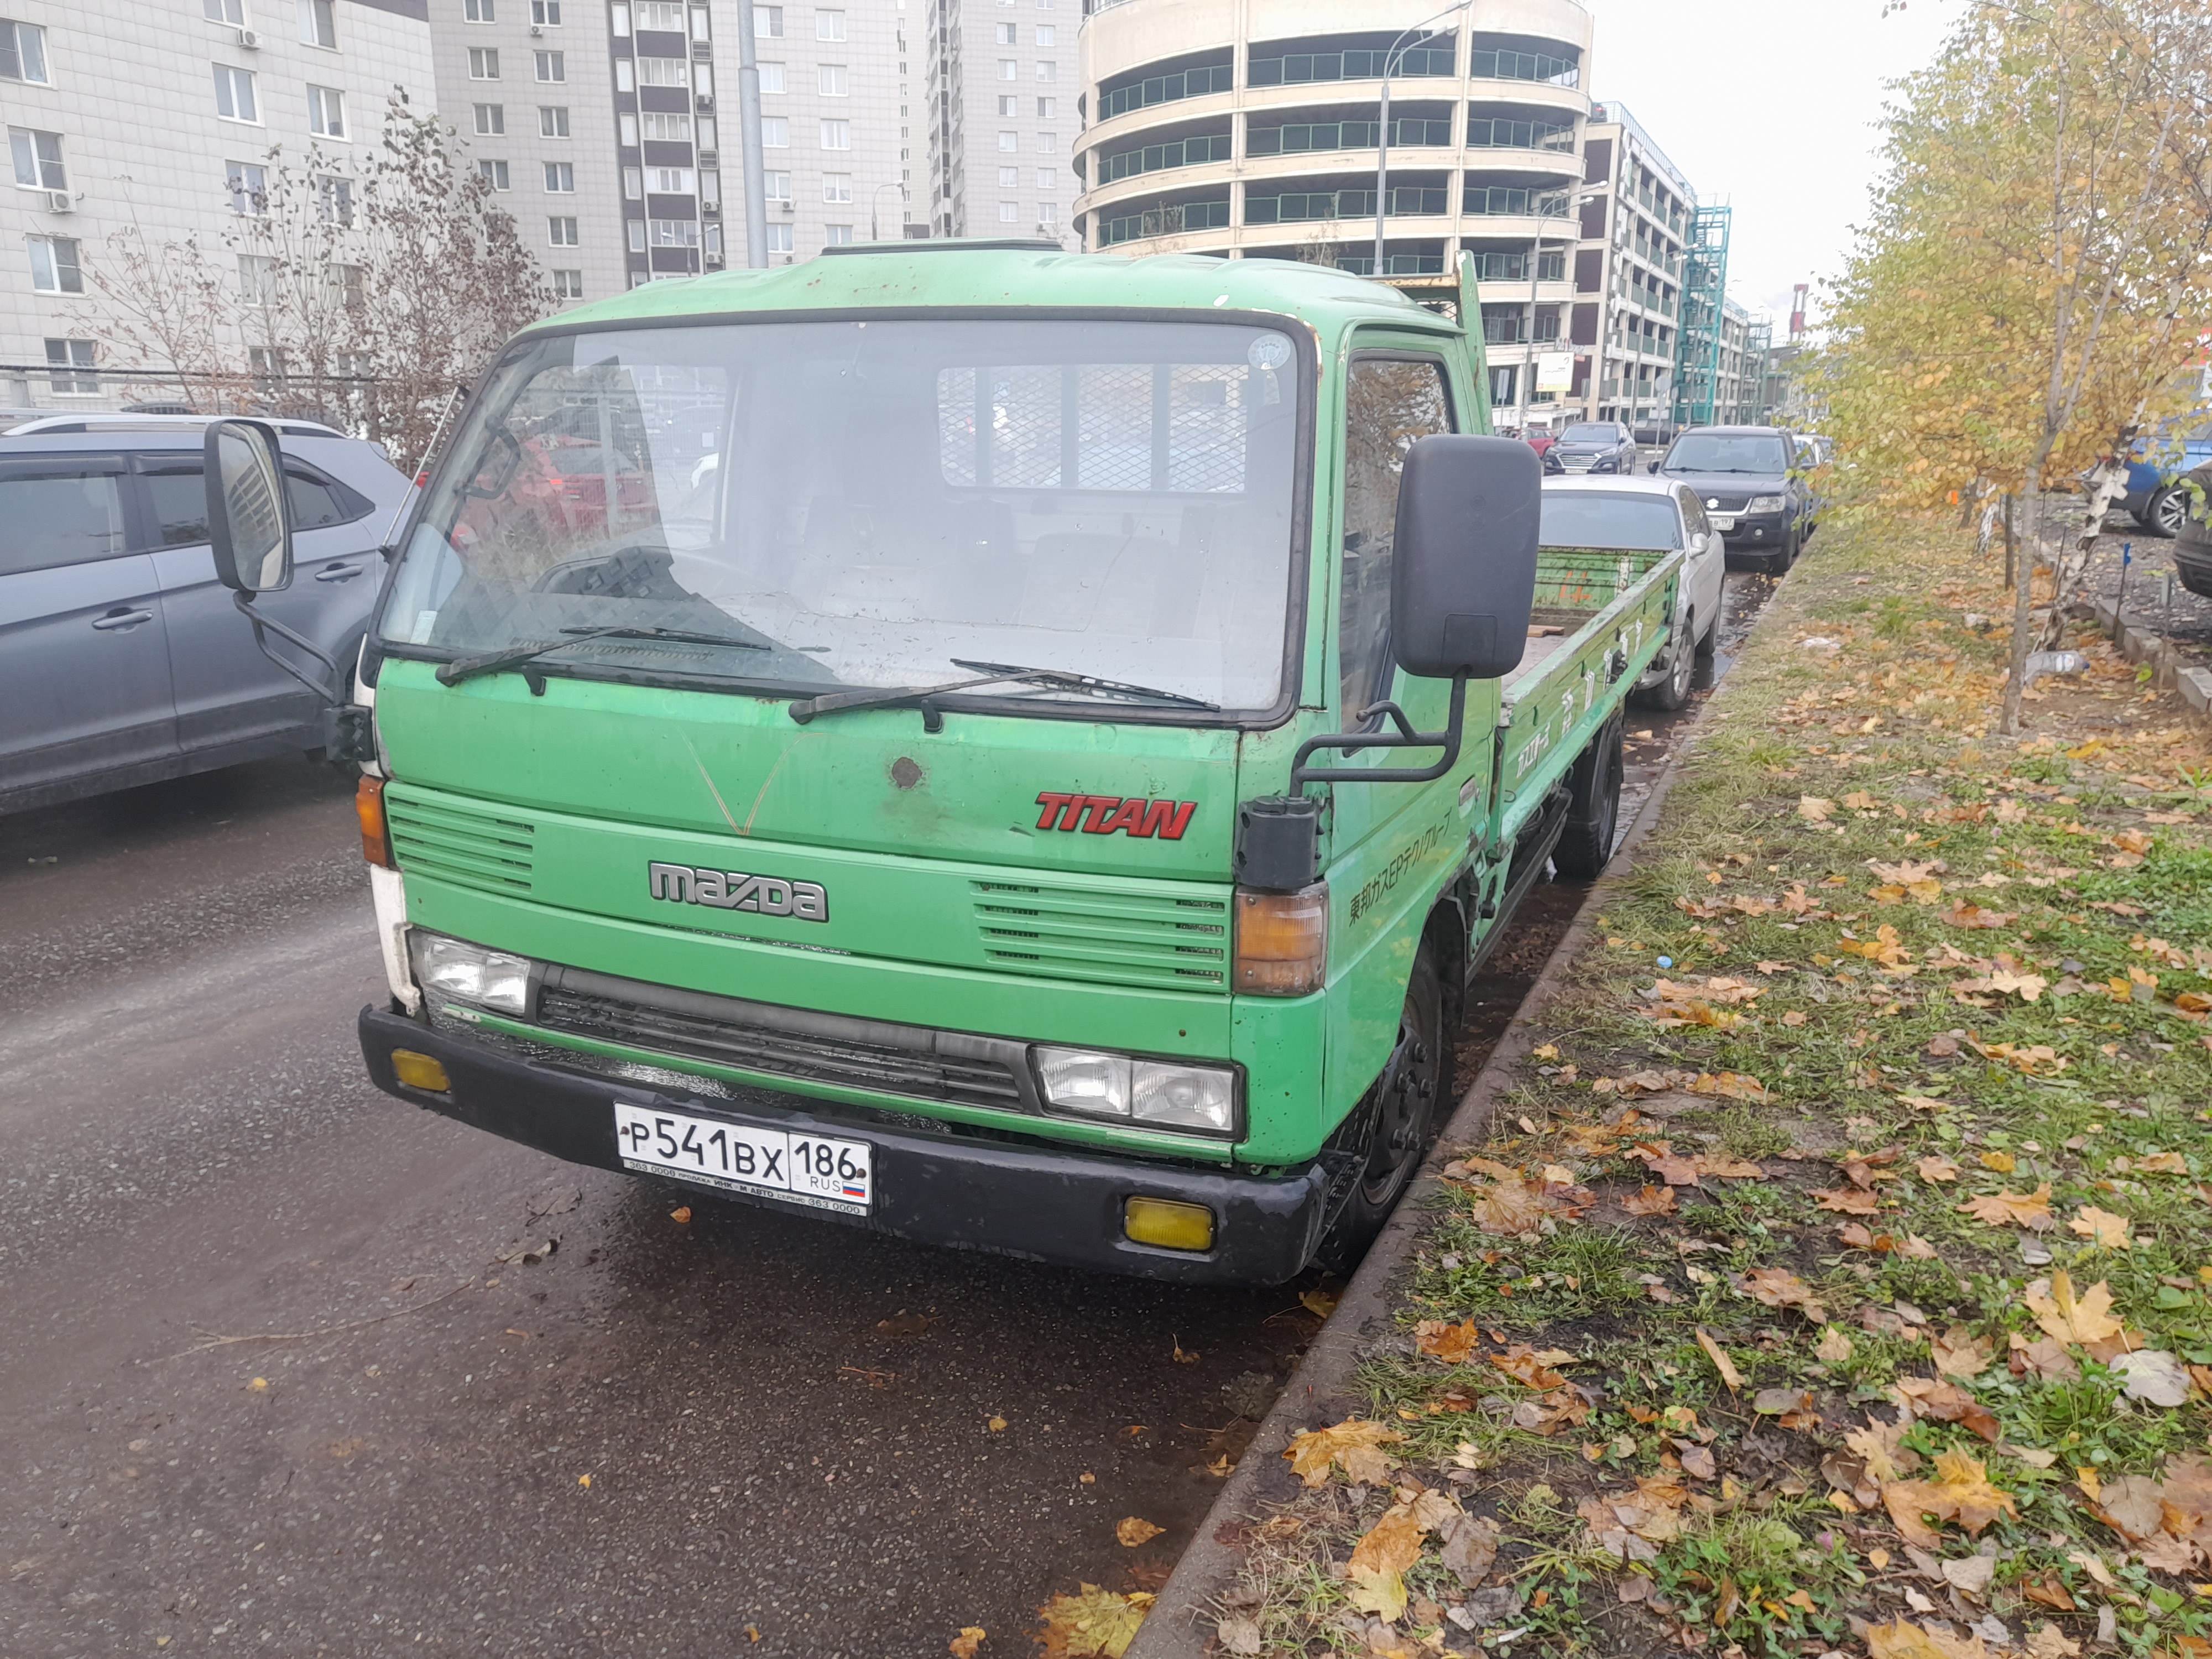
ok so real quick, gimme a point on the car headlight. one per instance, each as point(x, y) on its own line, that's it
point(1199, 1098)
point(1766, 504)
point(470, 973)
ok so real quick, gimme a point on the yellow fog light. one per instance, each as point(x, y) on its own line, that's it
point(420, 1072)
point(1167, 1224)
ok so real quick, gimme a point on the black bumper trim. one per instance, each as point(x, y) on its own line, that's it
point(979, 1194)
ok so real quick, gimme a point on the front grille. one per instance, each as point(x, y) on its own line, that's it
point(910, 1061)
point(484, 848)
point(1726, 503)
point(1107, 938)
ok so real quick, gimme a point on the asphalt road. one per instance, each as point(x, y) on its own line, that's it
point(266, 1385)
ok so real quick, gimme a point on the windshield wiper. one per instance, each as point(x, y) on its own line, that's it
point(992, 673)
point(512, 656)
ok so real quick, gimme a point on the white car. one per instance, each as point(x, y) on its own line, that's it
point(1641, 514)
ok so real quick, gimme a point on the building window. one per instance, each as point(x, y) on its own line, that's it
point(710, 187)
point(668, 181)
point(1007, 32)
point(1047, 213)
point(547, 14)
point(561, 232)
point(662, 72)
point(672, 232)
point(249, 186)
point(1010, 141)
point(779, 239)
point(637, 236)
point(491, 119)
point(22, 52)
point(776, 187)
point(334, 200)
point(837, 236)
point(1045, 35)
point(1047, 108)
point(326, 112)
point(836, 187)
point(830, 79)
point(1049, 142)
point(1009, 213)
point(1009, 178)
point(477, 11)
point(493, 174)
point(714, 241)
point(343, 285)
point(552, 120)
point(257, 279)
point(234, 94)
point(319, 25)
point(1009, 106)
point(560, 178)
point(1046, 70)
point(37, 157)
point(837, 135)
point(1047, 177)
point(568, 284)
point(483, 63)
point(1010, 68)
point(232, 12)
point(771, 77)
point(54, 266)
point(634, 184)
point(625, 74)
point(775, 133)
point(666, 129)
point(666, 15)
point(77, 354)
point(552, 65)
point(828, 25)
point(768, 22)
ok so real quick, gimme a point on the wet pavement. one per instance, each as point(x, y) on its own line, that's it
point(266, 1383)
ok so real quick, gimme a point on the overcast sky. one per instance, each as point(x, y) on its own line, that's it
point(1770, 108)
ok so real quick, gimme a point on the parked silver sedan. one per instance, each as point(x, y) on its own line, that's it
point(122, 660)
point(1641, 514)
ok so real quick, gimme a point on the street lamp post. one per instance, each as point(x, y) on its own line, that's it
point(1382, 133)
point(748, 142)
point(875, 234)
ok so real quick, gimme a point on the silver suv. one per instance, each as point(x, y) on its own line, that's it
point(122, 660)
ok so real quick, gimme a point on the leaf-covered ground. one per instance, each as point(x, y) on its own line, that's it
point(1834, 1279)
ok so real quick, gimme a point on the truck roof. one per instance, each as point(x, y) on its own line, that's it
point(960, 274)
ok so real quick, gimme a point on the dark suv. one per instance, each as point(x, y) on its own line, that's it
point(122, 659)
point(1752, 486)
point(1601, 446)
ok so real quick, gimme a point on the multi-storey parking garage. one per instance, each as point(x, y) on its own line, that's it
point(1251, 127)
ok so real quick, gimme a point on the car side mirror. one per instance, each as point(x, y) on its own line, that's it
point(1463, 560)
point(247, 518)
point(1700, 542)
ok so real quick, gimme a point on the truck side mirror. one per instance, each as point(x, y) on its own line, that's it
point(1463, 560)
point(247, 520)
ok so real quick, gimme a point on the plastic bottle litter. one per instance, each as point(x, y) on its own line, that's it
point(2040, 663)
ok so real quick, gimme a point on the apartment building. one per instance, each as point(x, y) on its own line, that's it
point(156, 116)
point(839, 122)
point(1004, 91)
point(1629, 273)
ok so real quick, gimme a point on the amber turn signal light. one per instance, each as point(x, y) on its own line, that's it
point(1282, 942)
point(420, 1072)
point(1167, 1224)
point(375, 834)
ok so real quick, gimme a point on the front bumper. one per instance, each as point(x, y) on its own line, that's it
point(968, 1192)
point(1760, 530)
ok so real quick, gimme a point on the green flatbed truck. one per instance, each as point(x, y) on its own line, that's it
point(1009, 749)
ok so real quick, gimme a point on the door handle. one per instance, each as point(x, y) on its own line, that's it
point(337, 573)
point(121, 619)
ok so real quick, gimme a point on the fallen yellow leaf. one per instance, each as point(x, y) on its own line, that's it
point(1135, 1530)
point(2086, 1321)
point(1354, 1446)
point(1961, 1491)
point(681, 1215)
point(2103, 1228)
point(1097, 1624)
point(1729, 1374)
point(2030, 1210)
point(1320, 1303)
point(963, 1645)
point(996, 1424)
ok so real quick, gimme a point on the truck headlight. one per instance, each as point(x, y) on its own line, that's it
point(1200, 1098)
point(470, 973)
point(1766, 504)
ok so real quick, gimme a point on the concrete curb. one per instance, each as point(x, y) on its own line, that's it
point(1318, 1393)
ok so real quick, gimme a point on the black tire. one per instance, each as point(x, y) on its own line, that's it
point(1585, 846)
point(2164, 513)
point(1391, 1129)
point(1673, 692)
point(1778, 563)
point(1710, 641)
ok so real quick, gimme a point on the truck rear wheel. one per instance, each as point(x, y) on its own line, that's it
point(1585, 846)
point(1393, 1126)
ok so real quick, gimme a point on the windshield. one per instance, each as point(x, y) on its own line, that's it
point(1604, 517)
point(1591, 435)
point(873, 502)
point(1707, 452)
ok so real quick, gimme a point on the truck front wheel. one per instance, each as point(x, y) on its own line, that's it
point(1389, 1131)
point(1585, 846)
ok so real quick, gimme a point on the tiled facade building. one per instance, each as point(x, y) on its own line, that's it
point(1003, 104)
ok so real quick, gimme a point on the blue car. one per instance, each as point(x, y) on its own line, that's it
point(2155, 498)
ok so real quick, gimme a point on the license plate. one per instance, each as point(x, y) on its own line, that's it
point(815, 1169)
point(1576, 467)
point(1723, 524)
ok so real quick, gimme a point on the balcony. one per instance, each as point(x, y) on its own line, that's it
point(1515, 202)
point(1164, 222)
point(1166, 89)
point(1538, 67)
point(1491, 133)
point(1156, 158)
point(1300, 138)
point(1394, 264)
point(1304, 207)
point(1514, 267)
point(1304, 68)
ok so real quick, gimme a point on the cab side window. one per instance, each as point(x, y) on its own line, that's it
point(60, 510)
point(1388, 403)
point(178, 499)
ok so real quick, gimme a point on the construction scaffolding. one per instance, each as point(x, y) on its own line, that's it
point(1705, 294)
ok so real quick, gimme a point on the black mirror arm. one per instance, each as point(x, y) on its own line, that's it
point(329, 694)
point(1449, 738)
